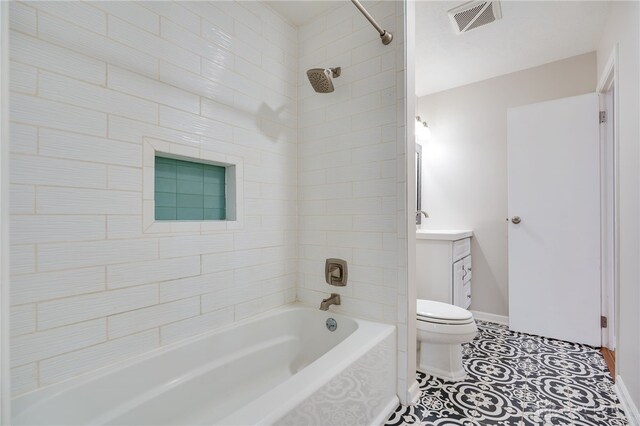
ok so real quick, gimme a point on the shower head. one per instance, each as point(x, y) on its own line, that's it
point(322, 78)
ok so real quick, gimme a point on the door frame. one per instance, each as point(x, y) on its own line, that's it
point(5, 389)
point(408, 387)
point(610, 283)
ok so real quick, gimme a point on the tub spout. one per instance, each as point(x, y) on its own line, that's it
point(334, 299)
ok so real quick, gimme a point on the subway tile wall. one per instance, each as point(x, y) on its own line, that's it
point(89, 81)
point(351, 165)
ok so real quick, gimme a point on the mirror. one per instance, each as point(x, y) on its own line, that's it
point(418, 183)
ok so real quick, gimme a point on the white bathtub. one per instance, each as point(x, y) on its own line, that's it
point(282, 367)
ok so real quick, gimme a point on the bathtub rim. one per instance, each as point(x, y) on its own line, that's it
point(32, 399)
point(317, 374)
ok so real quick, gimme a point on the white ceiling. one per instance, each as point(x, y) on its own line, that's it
point(531, 33)
point(301, 11)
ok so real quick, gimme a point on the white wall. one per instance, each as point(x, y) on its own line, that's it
point(89, 81)
point(623, 28)
point(351, 165)
point(465, 161)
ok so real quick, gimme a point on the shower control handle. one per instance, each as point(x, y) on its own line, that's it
point(516, 219)
point(335, 272)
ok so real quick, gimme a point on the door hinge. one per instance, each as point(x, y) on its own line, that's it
point(604, 322)
point(603, 116)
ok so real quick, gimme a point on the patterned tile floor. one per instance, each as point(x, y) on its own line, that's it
point(519, 379)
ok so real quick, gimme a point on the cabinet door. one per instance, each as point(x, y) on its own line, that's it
point(434, 272)
point(467, 295)
point(459, 273)
point(467, 269)
point(466, 289)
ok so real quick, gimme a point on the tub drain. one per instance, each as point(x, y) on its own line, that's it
point(332, 324)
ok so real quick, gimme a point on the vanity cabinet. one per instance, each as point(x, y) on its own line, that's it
point(443, 266)
point(462, 282)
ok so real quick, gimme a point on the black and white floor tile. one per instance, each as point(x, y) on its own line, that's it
point(518, 379)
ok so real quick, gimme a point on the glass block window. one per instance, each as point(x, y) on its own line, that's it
point(185, 190)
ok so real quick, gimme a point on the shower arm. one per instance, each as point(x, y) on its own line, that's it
point(385, 36)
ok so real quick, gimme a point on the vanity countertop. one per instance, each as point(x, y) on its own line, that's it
point(443, 234)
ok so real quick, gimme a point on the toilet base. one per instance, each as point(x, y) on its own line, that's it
point(443, 360)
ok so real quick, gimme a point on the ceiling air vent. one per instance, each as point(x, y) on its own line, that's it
point(474, 14)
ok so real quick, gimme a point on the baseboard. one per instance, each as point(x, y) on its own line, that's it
point(381, 419)
point(414, 393)
point(483, 316)
point(443, 375)
point(629, 408)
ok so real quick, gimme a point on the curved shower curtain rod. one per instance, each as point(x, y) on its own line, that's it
point(385, 36)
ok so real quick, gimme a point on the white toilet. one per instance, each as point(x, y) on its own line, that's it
point(441, 330)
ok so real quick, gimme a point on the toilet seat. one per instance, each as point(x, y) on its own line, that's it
point(429, 311)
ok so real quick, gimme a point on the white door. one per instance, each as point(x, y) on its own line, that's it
point(554, 189)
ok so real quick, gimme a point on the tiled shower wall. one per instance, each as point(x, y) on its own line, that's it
point(90, 80)
point(351, 156)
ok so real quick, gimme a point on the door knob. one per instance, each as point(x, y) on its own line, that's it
point(516, 219)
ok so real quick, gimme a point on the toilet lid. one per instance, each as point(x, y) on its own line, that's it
point(429, 309)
